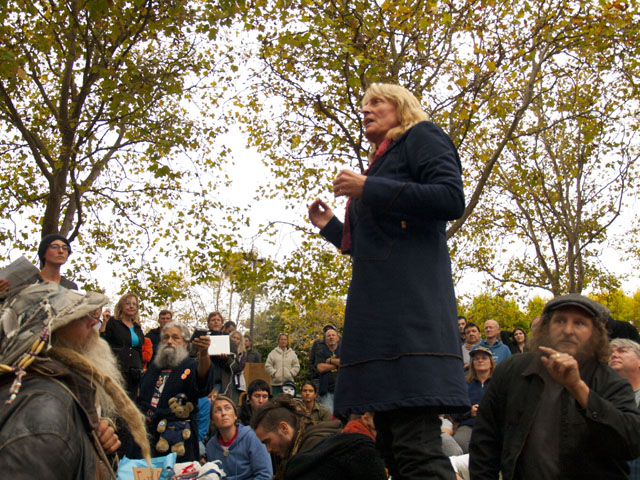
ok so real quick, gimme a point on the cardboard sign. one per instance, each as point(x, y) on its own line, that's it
point(140, 473)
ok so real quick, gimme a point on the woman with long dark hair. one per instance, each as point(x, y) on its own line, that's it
point(520, 341)
point(317, 411)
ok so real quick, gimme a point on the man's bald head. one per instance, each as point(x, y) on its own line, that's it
point(491, 330)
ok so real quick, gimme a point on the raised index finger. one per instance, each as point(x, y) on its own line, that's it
point(548, 351)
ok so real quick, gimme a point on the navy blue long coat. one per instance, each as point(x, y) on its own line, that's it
point(401, 346)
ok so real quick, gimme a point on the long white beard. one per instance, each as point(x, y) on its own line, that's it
point(98, 353)
point(170, 357)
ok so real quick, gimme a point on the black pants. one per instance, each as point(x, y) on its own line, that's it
point(409, 441)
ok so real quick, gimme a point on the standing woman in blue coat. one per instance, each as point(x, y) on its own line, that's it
point(401, 349)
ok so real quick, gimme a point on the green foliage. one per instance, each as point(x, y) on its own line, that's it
point(111, 112)
point(540, 98)
point(535, 306)
point(302, 323)
point(505, 311)
point(622, 306)
point(95, 104)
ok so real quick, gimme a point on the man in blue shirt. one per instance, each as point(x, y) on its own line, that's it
point(492, 334)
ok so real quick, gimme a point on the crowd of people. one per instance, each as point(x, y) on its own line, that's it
point(385, 398)
point(266, 429)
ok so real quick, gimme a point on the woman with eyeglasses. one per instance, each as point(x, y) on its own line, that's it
point(481, 369)
point(123, 333)
point(53, 251)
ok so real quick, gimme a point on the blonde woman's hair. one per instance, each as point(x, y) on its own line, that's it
point(241, 348)
point(408, 108)
point(117, 311)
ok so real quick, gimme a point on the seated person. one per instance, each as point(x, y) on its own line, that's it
point(480, 371)
point(449, 446)
point(361, 424)
point(314, 451)
point(236, 446)
point(258, 394)
point(317, 411)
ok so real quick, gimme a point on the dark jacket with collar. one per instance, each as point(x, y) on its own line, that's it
point(325, 453)
point(401, 345)
point(47, 431)
point(118, 335)
point(154, 336)
point(595, 442)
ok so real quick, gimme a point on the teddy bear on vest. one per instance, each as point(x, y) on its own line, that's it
point(175, 430)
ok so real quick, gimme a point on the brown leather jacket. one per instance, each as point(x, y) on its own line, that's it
point(48, 430)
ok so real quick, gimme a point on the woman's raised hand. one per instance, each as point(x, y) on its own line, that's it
point(319, 213)
point(349, 184)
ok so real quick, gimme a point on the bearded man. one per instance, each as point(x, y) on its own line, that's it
point(60, 387)
point(558, 411)
point(173, 373)
point(311, 451)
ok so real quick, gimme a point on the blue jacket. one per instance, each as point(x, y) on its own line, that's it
point(401, 346)
point(499, 350)
point(248, 458)
point(204, 417)
point(476, 390)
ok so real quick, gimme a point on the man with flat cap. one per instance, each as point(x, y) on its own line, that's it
point(558, 411)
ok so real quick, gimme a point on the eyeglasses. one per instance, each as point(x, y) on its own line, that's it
point(94, 316)
point(57, 246)
point(175, 338)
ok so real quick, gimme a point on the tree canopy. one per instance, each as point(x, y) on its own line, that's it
point(113, 110)
point(97, 103)
point(540, 98)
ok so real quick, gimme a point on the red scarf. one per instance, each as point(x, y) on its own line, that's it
point(345, 245)
point(226, 444)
